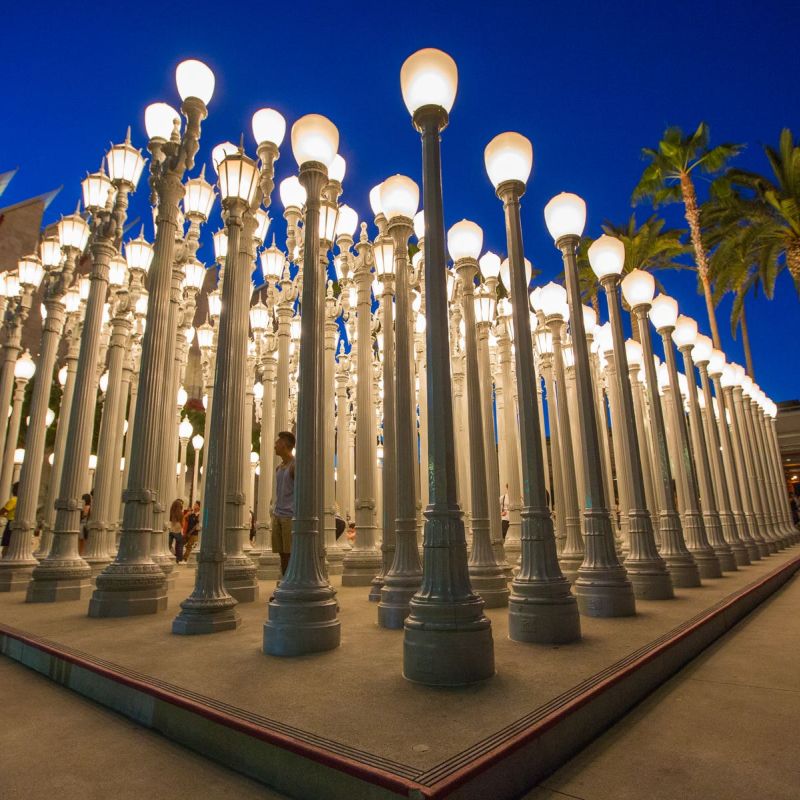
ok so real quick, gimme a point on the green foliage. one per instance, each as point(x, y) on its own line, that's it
point(676, 157)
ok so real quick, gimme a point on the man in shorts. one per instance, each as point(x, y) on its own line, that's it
point(283, 510)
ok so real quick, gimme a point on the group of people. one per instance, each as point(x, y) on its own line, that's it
point(184, 528)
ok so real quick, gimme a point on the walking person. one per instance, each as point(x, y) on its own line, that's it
point(192, 529)
point(283, 510)
point(176, 529)
point(504, 520)
point(86, 512)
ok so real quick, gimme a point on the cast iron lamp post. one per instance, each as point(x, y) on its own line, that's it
point(541, 607)
point(464, 241)
point(684, 336)
point(663, 314)
point(134, 583)
point(646, 568)
point(448, 639)
point(399, 199)
point(602, 587)
point(302, 612)
point(638, 287)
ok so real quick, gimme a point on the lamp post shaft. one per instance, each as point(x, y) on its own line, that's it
point(541, 606)
point(448, 639)
point(680, 562)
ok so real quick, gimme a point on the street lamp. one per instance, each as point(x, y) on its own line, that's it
point(638, 288)
point(685, 336)
point(302, 612)
point(541, 606)
point(465, 242)
point(399, 198)
point(646, 568)
point(134, 583)
point(448, 639)
point(602, 586)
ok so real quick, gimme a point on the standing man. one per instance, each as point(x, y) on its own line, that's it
point(283, 510)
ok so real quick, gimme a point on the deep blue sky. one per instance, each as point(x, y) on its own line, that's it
point(588, 83)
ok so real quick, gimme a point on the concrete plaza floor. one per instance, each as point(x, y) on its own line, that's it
point(356, 696)
point(726, 726)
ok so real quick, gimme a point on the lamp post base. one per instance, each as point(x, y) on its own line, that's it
point(605, 594)
point(16, 577)
point(128, 590)
point(306, 623)
point(269, 566)
point(570, 564)
point(394, 604)
point(195, 621)
point(441, 657)
point(58, 589)
point(549, 618)
point(684, 571)
point(653, 584)
point(361, 567)
point(491, 584)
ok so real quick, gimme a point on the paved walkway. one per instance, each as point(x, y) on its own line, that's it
point(56, 744)
point(726, 726)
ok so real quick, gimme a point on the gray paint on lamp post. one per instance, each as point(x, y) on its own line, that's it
point(681, 564)
point(602, 586)
point(541, 606)
point(303, 611)
point(646, 568)
point(694, 529)
point(447, 639)
point(362, 563)
point(711, 520)
point(404, 576)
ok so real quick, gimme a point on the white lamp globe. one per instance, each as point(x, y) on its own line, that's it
point(337, 169)
point(272, 260)
point(314, 139)
point(604, 338)
point(638, 288)
point(702, 350)
point(205, 338)
point(183, 397)
point(199, 197)
point(159, 120)
point(747, 385)
point(238, 178)
point(125, 163)
point(375, 200)
point(104, 382)
point(429, 77)
point(685, 333)
point(419, 225)
point(49, 417)
point(292, 192)
point(347, 222)
point(716, 363)
point(140, 309)
point(399, 197)
point(607, 256)
point(464, 240)
point(634, 353)
point(269, 127)
point(258, 390)
point(254, 459)
point(259, 317)
point(553, 299)
point(263, 225)
point(197, 441)
point(117, 272)
point(24, 367)
point(663, 312)
point(62, 377)
point(535, 298)
point(30, 271)
point(565, 215)
point(19, 456)
point(51, 251)
point(589, 319)
point(194, 79)
point(508, 157)
point(185, 429)
point(220, 151)
point(73, 231)
point(490, 265)
point(505, 274)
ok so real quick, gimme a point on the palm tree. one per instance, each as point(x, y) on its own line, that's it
point(668, 178)
point(771, 208)
point(647, 247)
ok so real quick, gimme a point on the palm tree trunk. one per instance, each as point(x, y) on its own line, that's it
point(748, 353)
point(692, 214)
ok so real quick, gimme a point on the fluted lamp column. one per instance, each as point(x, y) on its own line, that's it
point(134, 583)
point(553, 300)
point(302, 612)
point(638, 287)
point(602, 586)
point(541, 607)
point(464, 241)
point(63, 574)
point(646, 568)
point(448, 639)
point(663, 314)
point(684, 336)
